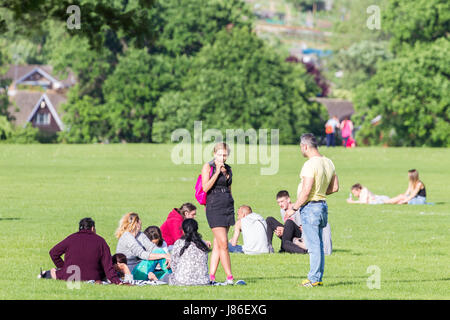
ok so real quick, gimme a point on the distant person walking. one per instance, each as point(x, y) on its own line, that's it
point(330, 130)
point(346, 127)
point(219, 208)
point(318, 179)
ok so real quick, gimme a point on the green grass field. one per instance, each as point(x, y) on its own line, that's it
point(46, 189)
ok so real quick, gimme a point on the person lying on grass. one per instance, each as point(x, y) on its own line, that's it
point(365, 196)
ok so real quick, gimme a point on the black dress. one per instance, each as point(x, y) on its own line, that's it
point(219, 201)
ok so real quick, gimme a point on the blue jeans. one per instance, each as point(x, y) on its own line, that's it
point(235, 249)
point(418, 200)
point(314, 217)
point(331, 140)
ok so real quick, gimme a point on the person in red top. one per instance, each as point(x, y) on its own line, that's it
point(171, 228)
point(84, 252)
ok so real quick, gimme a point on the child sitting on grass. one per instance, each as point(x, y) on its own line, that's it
point(147, 269)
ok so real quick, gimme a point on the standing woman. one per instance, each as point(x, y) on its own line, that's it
point(219, 208)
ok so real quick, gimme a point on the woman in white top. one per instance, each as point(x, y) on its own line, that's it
point(365, 196)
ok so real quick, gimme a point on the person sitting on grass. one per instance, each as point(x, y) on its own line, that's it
point(415, 194)
point(291, 232)
point(147, 269)
point(134, 244)
point(119, 261)
point(253, 227)
point(189, 258)
point(87, 257)
point(365, 196)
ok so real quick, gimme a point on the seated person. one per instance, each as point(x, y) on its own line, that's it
point(189, 258)
point(84, 249)
point(415, 194)
point(171, 228)
point(365, 196)
point(133, 243)
point(254, 233)
point(290, 233)
point(147, 269)
point(119, 261)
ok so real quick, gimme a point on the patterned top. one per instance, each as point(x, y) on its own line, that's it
point(190, 269)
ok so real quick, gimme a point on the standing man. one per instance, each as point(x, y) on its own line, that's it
point(318, 179)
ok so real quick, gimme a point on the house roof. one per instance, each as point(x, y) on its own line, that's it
point(24, 104)
point(337, 107)
point(20, 72)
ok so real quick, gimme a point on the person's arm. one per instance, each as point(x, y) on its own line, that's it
point(412, 193)
point(307, 183)
point(333, 186)
point(57, 251)
point(108, 268)
point(207, 182)
point(237, 232)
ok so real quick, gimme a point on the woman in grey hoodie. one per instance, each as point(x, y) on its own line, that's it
point(134, 244)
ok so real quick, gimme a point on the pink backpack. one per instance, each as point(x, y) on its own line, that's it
point(200, 195)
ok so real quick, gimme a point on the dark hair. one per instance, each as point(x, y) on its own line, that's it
point(186, 207)
point(309, 139)
point(282, 193)
point(190, 227)
point(86, 224)
point(154, 233)
point(119, 258)
point(357, 186)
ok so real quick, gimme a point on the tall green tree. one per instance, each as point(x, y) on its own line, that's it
point(240, 82)
point(409, 22)
point(412, 94)
point(129, 18)
point(132, 92)
point(185, 26)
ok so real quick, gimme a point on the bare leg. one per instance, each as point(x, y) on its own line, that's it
point(53, 273)
point(221, 253)
point(396, 200)
point(215, 256)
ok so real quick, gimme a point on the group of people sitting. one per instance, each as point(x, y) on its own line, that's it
point(174, 253)
point(257, 232)
point(415, 194)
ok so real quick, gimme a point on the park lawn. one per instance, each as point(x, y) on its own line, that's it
point(46, 189)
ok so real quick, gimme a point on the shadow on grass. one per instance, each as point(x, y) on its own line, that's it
point(347, 251)
point(9, 219)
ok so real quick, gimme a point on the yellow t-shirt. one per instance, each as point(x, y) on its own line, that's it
point(322, 170)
